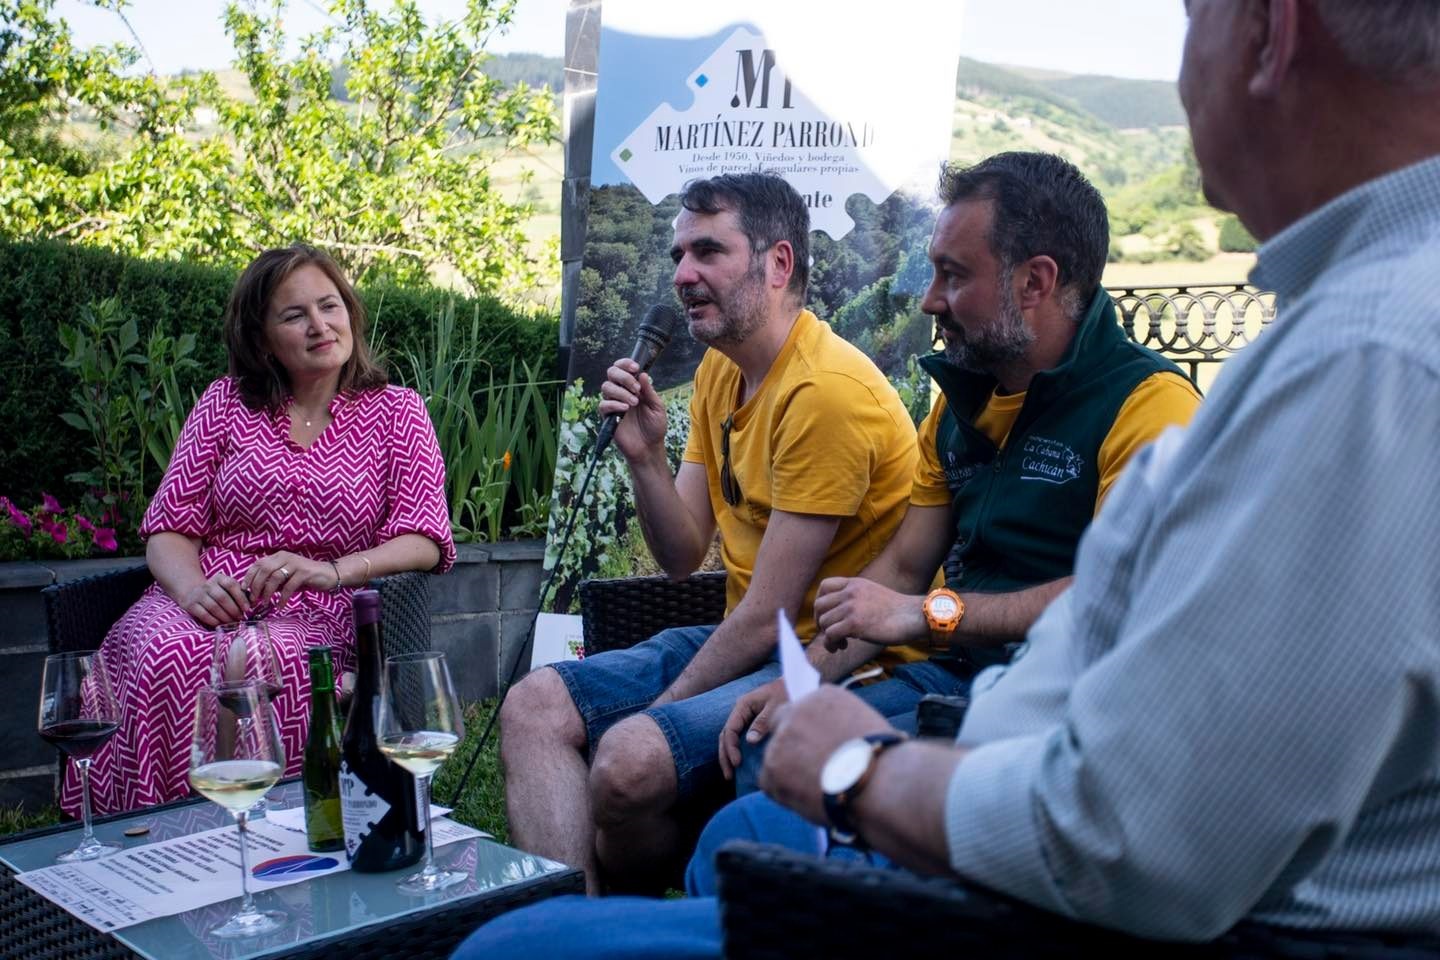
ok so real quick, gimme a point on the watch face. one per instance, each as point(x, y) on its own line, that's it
point(942, 607)
point(845, 766)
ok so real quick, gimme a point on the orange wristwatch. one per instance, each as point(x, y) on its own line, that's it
point(943, 610)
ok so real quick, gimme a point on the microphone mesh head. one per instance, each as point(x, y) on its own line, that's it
point(658, 325)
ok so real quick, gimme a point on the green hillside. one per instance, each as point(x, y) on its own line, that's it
point(1124, 103)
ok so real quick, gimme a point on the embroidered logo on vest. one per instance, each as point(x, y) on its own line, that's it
point(1050, 461)
point(957, 474)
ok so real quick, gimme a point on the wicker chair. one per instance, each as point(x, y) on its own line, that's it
point(775, 904)
point(622, 612)
point(79, 612)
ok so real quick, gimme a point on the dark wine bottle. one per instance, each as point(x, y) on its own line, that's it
point(320, 772)
point(378, 799)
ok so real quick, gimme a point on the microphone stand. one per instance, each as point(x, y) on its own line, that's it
point(530, 634)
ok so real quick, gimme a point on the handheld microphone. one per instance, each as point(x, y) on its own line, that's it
point(650, 339)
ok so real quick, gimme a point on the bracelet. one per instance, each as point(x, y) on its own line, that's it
point(336, 567)
point(367, 567)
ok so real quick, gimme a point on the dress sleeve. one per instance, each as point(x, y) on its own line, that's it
point(416, 480)
point(185, 501)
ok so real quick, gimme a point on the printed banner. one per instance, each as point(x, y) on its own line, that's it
point(854, 110)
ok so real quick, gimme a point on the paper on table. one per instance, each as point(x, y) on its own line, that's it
point(801, 679)
point(171, 876)
point(293, 818)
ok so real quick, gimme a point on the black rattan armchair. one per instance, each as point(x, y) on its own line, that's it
point(79, 612)
point(622, 612)
point(776, 904)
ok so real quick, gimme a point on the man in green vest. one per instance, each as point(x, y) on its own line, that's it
point(1043, 401)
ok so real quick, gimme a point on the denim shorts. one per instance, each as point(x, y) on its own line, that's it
point(608, 687)
point(894, 698)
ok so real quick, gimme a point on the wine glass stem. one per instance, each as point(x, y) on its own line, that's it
point(87, 836)
point(247, 904)
point(429, 835)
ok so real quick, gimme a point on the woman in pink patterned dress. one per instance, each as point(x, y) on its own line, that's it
point(297, 478)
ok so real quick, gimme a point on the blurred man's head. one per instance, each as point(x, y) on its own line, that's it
point(741, 247)
point(1292, 102)
point(1005, 218)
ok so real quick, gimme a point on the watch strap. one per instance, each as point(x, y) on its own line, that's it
point(838, 805)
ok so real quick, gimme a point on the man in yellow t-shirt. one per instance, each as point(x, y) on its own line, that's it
point(1043, 402)
point(800, 453)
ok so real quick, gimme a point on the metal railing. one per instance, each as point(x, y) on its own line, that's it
point(1197, 325)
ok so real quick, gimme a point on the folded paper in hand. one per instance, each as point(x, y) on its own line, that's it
point(800, 676)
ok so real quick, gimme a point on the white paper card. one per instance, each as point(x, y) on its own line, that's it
point(800, 676)
point(558, 636)
point(801, 679)
point(171, 876)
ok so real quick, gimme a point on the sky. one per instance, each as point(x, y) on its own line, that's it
point(1123, 38)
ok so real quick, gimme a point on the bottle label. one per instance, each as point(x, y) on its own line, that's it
point(422, 805)
point(360, 809)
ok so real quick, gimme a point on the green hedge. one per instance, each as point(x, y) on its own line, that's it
point(44, 284)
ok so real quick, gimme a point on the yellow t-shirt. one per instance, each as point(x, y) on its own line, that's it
point(1158, 401)
point(824, 434)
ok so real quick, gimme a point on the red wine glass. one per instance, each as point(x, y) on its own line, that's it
point(78, 714)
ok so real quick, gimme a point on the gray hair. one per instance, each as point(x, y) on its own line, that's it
point(1396, 39)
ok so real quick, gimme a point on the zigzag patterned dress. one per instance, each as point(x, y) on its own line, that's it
point(239, 483)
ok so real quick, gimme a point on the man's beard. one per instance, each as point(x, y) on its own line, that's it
point(738, 313)
point(998, 343)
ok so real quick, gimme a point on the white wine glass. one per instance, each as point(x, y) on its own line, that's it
point(233, 764)
point(420, 726)
point(244, 653)
point(78, 714)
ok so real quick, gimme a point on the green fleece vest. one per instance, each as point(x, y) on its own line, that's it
point(1019, 512)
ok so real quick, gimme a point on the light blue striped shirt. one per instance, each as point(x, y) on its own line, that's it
point(1235, 710)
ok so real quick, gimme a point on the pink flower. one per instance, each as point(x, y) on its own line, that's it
point(84, 523)
point(58, 533)
point(105, 539)
point(51, 505)
point(18, 518)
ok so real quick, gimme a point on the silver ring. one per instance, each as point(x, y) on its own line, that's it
point(285, 572)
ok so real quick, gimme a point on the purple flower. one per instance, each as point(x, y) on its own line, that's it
point(51, 505)
point(58, 533)
point(105, 539)
point(84, 523)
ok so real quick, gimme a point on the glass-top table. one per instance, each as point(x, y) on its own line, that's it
point(326, 913)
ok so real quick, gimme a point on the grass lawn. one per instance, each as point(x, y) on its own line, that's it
point(482, 807)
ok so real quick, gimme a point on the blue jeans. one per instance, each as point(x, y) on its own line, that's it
point(895, 699)
point(634, 927)
point(608, 687)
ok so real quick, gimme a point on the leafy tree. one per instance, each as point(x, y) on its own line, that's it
point(395, 180)
point(1234, 238)
point(1186, 243)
